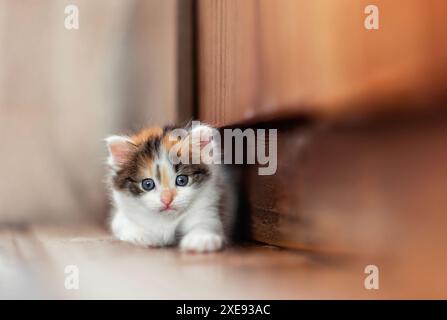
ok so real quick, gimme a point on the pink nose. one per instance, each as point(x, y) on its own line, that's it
point(167, 197)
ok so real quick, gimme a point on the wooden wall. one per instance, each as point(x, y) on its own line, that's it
point(361, 122)
point(260, 59)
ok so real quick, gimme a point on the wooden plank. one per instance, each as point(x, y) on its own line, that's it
point(265, 59)
point(37, 257)
point(112, 269)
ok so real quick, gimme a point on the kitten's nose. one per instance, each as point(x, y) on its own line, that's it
point(166, 197)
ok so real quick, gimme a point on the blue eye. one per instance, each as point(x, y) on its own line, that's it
point(148, 184)
point(181, 180)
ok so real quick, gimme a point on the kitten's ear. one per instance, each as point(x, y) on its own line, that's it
point(204, 144)
point(202, 135)
point(120, 148)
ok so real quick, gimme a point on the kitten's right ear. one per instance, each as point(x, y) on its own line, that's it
point(120, 148)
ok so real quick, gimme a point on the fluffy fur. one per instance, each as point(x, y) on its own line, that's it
point(201, 213)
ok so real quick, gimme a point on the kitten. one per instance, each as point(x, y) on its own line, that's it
point(159, 203)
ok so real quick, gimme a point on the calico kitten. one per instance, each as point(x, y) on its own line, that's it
point(160, 203)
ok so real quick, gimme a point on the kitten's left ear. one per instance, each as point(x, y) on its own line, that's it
point(120, 148)
point(202, 135)
point(205, 144)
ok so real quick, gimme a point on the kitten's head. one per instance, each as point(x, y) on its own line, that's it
point(144, 171)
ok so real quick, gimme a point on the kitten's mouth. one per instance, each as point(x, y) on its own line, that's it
point(167, 209)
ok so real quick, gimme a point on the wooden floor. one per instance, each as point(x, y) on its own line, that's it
point(33, 259)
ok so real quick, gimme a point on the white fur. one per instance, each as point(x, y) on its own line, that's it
point(195, 224)
point(116, 141)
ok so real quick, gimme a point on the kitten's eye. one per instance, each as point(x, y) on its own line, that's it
point(148, 184)
point(181, 180)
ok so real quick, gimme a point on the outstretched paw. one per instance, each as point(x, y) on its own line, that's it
point(201, 241)
point(137, 239)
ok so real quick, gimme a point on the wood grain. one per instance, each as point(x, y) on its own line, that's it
point(264, 59)
point(33, 259)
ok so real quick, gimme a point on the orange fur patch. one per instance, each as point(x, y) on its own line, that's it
point(168, 142)
point(146, 135)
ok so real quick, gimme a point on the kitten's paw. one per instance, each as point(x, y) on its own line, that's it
point(201, 242)
point(137, 239)
point(126, 231)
